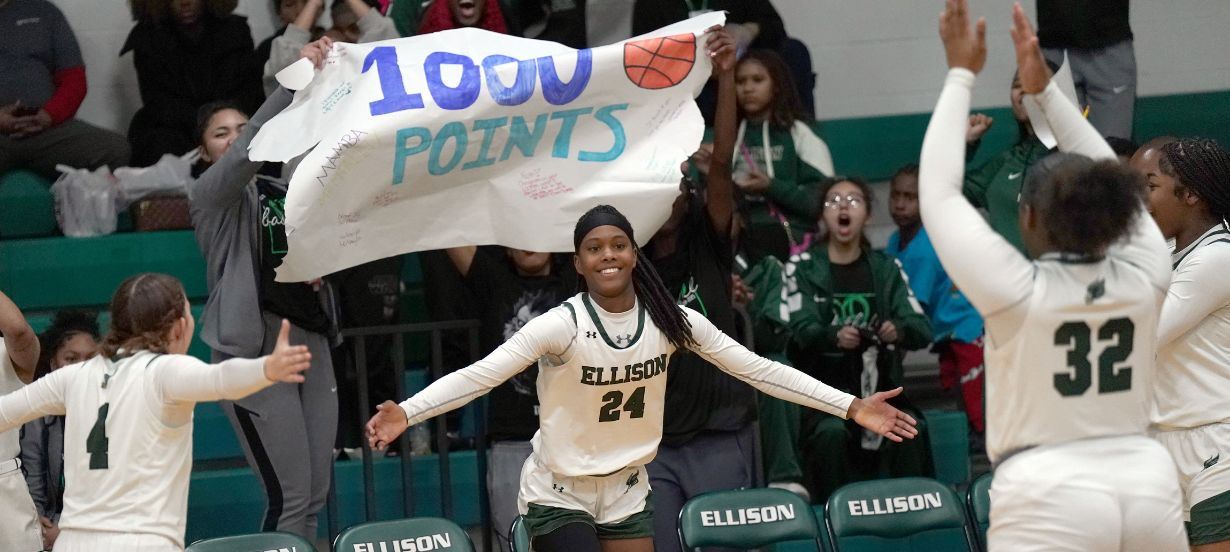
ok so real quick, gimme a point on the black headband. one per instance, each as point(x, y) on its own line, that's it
point(602, 215)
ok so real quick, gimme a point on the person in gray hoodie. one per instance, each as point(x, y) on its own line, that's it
point(287, 430)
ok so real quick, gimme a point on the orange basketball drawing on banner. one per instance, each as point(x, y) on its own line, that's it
point(656, 63)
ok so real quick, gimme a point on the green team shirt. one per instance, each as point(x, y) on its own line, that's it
point(996, 187)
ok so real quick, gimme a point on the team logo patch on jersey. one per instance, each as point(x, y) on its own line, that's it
point(1095, 290)
point(1212, 461)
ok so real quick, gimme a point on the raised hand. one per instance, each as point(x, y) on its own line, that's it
point(317, 51)
point(287, 362)
point(965, 46)
point(386, 425)
point(1031, 66)
point(979, 124)
point(875, 414)
point(721, 47)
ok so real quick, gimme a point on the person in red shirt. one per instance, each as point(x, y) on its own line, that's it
point(43, 86)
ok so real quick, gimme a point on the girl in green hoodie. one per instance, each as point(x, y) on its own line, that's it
point(779, 160)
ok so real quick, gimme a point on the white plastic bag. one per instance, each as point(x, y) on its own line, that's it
point(169, 176)
point(85, 201)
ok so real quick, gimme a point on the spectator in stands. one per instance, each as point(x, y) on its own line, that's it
point(187, 53)
point(707, 427)
point(72, 338)
point(956, 325)
point(43, 85)
point(1097, 36)
point(754, 24)
point(287, 431)
point(996, 184)
point(19, 353)
point(442, 15)
point(857, 318)
point(510, 290)
point(291, 13)
point(354, 21)
point(778, 188)
point(368, 295)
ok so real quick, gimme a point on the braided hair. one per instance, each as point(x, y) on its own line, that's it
point(667, 315)
point(1202, 166)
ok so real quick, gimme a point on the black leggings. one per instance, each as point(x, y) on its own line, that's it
point(572, 537)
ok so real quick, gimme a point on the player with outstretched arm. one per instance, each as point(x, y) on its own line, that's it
point(602, 356)
point(1070, 335)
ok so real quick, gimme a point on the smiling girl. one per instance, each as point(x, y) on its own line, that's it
point(602, 356)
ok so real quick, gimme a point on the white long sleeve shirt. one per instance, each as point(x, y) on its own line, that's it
point(602, 383)
point(1193, 337)
point(128, 434)
point(1069, 344)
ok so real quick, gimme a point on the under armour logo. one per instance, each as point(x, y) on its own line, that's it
point(632, 481)
point(620, 339)
point(1212, 461)
point(591, 335)
point(557, 488)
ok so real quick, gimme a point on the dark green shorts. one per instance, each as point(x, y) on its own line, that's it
point(1210, 520)
point(541, 520)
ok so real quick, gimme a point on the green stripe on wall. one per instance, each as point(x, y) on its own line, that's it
point(874, 147)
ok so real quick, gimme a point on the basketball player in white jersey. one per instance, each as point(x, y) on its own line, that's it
point(1070, 335)
point(602, 359)
point(128, 419)
point(1189, 197)
point(19, 350)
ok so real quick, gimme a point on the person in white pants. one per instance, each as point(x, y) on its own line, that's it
point(128, 419)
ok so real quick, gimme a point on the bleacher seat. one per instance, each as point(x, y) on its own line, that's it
point(519, 536)
point(947, 432)
point(54, 273)
point(909, 514)
point(979, 503)
point(228, 501)
point(427, 534)
point(746, 518)
point(256, 542)
point(27, 208)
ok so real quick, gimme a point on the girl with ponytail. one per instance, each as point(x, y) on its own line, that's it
point(602, 358)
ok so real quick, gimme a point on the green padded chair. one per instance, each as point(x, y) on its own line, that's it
point(747, 518)
point(979, 504)
point(519, 536)
point(427, 533)
point(256, 542)
point(948, 437)
point(910, 514)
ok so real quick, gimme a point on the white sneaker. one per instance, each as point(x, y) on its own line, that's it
point(792, 487)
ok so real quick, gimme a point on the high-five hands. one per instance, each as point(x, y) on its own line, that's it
point(875, 414)
point(386, 425)
point(964, 45)
point(1031, 66)
point(287, 362)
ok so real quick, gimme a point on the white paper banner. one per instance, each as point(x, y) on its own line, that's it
point(1042, 129)
point(468, 137)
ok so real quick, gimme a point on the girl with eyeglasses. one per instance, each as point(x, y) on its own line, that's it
point(852, 318)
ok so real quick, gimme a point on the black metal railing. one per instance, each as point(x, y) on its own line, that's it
point(398, 332)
